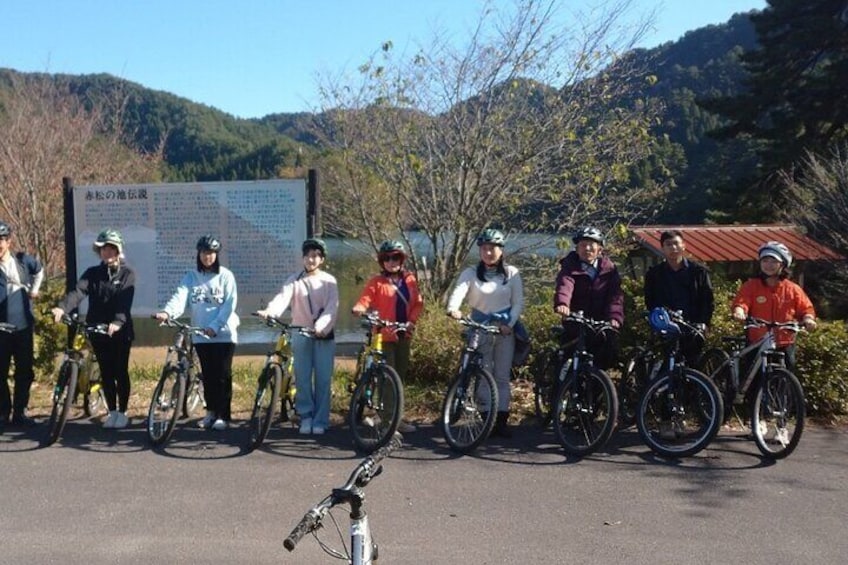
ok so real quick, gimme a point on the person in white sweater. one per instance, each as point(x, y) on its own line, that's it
point(210, 294)
point(495, 293)
point(313, 296)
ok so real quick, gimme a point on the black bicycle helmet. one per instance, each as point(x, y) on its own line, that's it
point(209, 243)
point(777, 250)
point(314, 243)
point(5, 229)
point(493, 236)
point(589, 233)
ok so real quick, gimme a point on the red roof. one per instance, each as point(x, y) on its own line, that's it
point(710, 243)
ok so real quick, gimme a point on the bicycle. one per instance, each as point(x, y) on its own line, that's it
point(74, 362)
point(642, 364)
point(274, 382)
point(778, 403)
point(580, 398)
point(169, 396)
point(680, 410)
point(471, 401)
point(376, 402)
point(363, 548)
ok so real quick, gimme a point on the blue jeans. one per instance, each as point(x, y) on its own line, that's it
point(313, 375)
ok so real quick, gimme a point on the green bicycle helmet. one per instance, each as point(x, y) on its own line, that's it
point(389, 248)
point(109, 237)
point(314, 243)
point(493, 236)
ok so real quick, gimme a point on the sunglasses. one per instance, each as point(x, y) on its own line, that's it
point(392, 257)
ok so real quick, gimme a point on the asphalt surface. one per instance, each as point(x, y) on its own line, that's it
point(104, 496)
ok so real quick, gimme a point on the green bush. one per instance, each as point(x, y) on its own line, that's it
point(821, 365)
point(50, 337)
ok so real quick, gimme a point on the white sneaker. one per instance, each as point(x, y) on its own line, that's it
point(207, 421)
point(120, 421)
point(109, 422)
point(406, 427)
point(306, 426)
point(219, 425)
point(318, 431)
point(782, 436)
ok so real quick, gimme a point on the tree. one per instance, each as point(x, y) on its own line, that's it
point(48, 133)
point(455, 139)
point(794, 99)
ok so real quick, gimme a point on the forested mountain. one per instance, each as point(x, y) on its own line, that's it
point(199, 142)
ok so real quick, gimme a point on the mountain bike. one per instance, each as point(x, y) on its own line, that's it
point(580, 398)
point(275, 383)
point(74, 362)
point(181, 366)
point(642, 363)
point(376, 402)
point(777, 398)
point(471, 401)
point(680, 410)
point(363, 548)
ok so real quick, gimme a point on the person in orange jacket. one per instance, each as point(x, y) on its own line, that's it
point(773, 297)
point(394, 295)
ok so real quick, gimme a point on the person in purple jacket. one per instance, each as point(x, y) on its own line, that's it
point(589, 282)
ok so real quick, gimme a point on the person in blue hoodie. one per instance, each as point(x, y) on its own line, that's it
point(209, 293)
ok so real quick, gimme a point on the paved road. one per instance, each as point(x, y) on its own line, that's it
point(104, 497)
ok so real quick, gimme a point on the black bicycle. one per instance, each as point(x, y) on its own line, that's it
point(777, 406)
point(680, 410)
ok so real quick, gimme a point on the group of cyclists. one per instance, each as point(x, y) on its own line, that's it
point(588, 281)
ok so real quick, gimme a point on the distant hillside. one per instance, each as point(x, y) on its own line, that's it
point(203, 143)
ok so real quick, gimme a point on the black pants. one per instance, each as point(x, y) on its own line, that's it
point(17, 345)
point(216, 363)
point(113, 357)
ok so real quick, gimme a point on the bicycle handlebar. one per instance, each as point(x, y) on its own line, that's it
point(373, 320)
point(8, 328)
point(597, 325)
point(73, 320)
point(172, 323)
point(468, 322)
point(792, 325)
point(367, 469)
point(274, 322)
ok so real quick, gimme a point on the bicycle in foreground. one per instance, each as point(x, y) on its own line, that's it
point(778, 407)
point(180, 373)
point(680, 410)
point(363, 548)
point(275, 383)
point(471, 401)
point(376, 402)
point(75, 363)
point(579, 398)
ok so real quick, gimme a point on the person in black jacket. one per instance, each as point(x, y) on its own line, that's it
point(680, 284)
point(110, 288)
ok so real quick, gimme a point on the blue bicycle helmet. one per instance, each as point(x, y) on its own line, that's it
point(662, 323)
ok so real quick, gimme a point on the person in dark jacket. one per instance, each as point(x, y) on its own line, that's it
point(110, 288)
point(21, 276)
point(680, 284)
point(589, 282)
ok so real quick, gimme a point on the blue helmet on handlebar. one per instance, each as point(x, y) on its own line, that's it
point(662, 323)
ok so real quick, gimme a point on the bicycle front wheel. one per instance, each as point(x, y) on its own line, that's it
point(715, 364)
point(779, 414)
point(679, 413)
point(469, 409)
point(166, 404)
point(585, 411)
point(376, 407)
point(267, 396)
point(63, 396)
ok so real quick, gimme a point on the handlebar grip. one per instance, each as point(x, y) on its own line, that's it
point(306, 525)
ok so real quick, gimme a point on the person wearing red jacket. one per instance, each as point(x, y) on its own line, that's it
point(394, 295)
point(773, 297)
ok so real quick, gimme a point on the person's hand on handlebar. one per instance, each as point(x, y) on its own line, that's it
point(738, 314)
point(455, 314)
point(562, 310)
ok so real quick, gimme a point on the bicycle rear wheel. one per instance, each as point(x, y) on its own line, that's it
point(267, 396)
point(376, 407)
point(679, 414)
point(287, 393)
point(634, 374)
point(194, 396)
point(63, 395)
point(545, 376)
point(165, 405)
point(585, 411)
point(469, 409)
point(714, 364)
point(779, 414)
point(94, 399)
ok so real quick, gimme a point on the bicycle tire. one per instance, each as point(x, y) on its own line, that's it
point(63, 395)
point(376, 407)
point(165, 405)
point(679, 415)
point(634, 375)
point(287, 395)
point(194, 396)
point(545, 377)
point(779, 411)
point(94, 398)
point(585, 411)
point(467, 419)
point(714, 363)
point(264, 404)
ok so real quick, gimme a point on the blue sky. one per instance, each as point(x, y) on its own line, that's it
point(251, 58)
